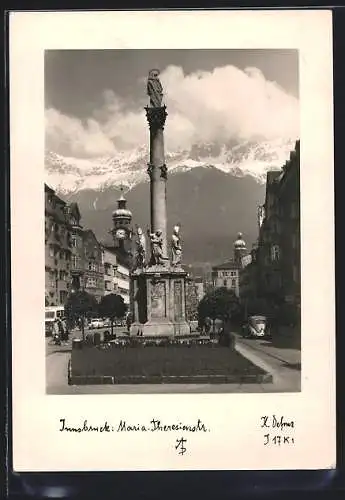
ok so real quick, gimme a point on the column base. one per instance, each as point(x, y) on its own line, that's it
point(160, 329)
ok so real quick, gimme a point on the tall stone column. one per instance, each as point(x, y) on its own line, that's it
point(157, 171)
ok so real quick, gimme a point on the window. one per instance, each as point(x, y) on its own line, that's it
point(275, 252)
point(233, 283)
point(107, 285)
point(91, 283)
point(233, 273)
point(224, 282)
point(74, 261)
point(74, 242)
point(92, 266)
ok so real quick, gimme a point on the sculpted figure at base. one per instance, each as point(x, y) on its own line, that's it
point(156, 248)
point(154, 89)
point(176, 246)
point(141, 249)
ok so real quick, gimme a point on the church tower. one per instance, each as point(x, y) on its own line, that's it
point(240, 249)
point(122, 230)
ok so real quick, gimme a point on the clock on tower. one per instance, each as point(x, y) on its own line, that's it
point(122, 218)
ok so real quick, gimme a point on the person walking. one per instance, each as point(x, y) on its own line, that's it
point(56, 332)
point(65, 333)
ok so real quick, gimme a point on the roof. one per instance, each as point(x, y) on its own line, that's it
point(48, 188)
point(75, 208)
point(226, 265)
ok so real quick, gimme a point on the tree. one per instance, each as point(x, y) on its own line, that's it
point(80, 305)
point(112, 306)
point(220, 303)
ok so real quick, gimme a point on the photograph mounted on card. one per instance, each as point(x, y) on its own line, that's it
point(174, 201)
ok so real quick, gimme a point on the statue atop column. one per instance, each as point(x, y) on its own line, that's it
point(176, 246)
point(154, 89)
point(140, 249)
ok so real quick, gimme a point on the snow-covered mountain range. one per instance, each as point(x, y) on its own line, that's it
point(253, 158)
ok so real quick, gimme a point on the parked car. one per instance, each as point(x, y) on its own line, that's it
point(106, 323)
point(256, 326)
point(96, 323)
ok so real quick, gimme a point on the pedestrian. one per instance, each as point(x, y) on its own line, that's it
point(56, 332)
point(65, 330)
point(128, 322)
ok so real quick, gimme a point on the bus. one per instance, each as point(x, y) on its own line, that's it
point(51, 314)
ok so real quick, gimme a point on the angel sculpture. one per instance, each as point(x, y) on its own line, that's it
point(141, 249)
point(156, 247)
point(176, 246)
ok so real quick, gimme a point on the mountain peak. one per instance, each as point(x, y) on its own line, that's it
point(238, 158)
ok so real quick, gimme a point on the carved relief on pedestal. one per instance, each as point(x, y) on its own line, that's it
point(177, 300)
point(158, 299)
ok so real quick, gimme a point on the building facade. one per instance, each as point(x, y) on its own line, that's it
point(93, 280)
point(276, 267)
point(227, 275)
point(116, 273)
point(77, 258)
point(73, 256)
point(110, 267)
point(58, 249)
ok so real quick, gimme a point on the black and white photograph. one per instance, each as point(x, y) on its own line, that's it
point(172, 235)
point(172, 240)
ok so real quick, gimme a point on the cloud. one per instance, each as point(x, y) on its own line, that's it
point(222, 105)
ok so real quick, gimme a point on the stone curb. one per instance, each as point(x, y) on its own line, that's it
point(197, 379)
point(246, 352)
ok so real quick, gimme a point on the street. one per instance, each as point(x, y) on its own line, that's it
point(282, 363)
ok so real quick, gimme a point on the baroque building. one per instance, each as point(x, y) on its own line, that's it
point(116, 273)
point(93, 265)
point(227, 274)
point(274, 276)
point(58, 248)
point(73, 256)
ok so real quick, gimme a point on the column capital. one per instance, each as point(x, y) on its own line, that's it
point(163, 170)
point(156, 117)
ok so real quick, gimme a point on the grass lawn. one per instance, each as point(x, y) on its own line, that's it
point(157, 364)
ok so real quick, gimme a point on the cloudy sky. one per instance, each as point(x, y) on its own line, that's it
point(94, 99)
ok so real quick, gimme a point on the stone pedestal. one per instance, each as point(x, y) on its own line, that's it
point(159, 303)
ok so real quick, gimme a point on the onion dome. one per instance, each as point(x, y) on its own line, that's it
point(122, 211)
point(240, 244)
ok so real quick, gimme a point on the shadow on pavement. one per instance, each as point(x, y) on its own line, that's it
point(283, 341)
point(293, 366)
